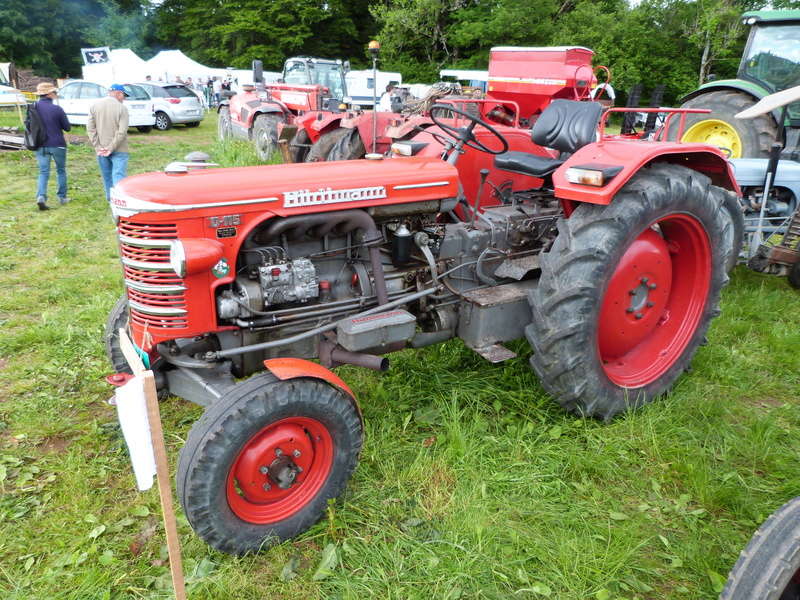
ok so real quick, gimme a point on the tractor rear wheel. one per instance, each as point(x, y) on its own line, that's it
point(117, 319)
point(769, 566)
point(224, 125)
point(628, 290)
point(299, 146)
point(348, 147)
point(744, 138)
point(320, 149)
point(265, 135)
point(262, 462)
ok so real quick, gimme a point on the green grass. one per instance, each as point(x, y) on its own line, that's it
point(472, 482)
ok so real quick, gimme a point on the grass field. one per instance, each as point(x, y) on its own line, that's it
point(472, 482)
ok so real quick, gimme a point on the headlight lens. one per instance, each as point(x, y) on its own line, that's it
point(177, 258)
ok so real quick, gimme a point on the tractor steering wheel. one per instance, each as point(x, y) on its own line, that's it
point(464, 135)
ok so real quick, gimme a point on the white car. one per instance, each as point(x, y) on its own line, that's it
point(10, 96)
point(76, 96)
point(174, 103)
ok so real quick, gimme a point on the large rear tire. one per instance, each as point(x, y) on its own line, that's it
point(348, 147)
point(769, 566)
point(628, 290)
point(265, 136)
point(320, 149)
point(262, 462)
point(745, 138)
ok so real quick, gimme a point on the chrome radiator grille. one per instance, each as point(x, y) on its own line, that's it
point(156, 296)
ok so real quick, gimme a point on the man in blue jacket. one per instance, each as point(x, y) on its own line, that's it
point(55, 123)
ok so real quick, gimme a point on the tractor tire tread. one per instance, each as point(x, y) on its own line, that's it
point(769, 561)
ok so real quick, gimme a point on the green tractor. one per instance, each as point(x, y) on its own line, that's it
point(770, 63)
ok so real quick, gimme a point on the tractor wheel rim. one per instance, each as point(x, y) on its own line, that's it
point(715, 132)
point(263, 145)
point(654, 301)
point(280, 470)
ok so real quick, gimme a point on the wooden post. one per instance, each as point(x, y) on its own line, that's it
point(162, 467)
point(283, 145)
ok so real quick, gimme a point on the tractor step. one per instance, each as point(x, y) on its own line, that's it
point(496, 353)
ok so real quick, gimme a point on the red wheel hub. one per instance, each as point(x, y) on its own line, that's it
point(279, 470)
point(654, 301)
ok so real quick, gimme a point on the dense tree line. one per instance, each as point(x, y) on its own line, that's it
point(675, 42)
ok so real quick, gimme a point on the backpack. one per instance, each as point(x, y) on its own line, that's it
point(35, 135)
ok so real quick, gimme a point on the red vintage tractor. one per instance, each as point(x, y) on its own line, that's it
point(522, 82)
point(259, 111)
point(608, 255)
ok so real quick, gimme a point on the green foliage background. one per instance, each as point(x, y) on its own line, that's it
point(651, 41)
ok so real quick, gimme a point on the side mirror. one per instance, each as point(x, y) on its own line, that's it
point(346, 66)
point(258, 71)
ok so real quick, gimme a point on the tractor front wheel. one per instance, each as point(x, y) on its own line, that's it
point(320, 149)
point(117, 319)
point(628, 290)
point(224, 125)
point(261, 464)
point(265, 136)
point(742, 138)
point(769, 567)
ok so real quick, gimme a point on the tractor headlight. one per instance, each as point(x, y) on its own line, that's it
point(194, 255)
point(177, 258)
point(594, 175)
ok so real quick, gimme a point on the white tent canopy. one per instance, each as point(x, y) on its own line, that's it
point(123, 66)
point(168, 65)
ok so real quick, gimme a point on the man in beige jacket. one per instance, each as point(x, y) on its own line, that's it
point(108, 133)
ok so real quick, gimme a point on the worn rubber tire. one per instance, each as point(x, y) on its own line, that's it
point(224, 125)
point(348, 147)
point(299, 146)
point(144, 129)
point(217, 438)
point(265, 136)
point(320, 149)
point(192, 124)
point(163, 122)
point(117, 318)
point(755, 134)
point(768, 564)
point(734, 214)
point(794, 275)
point(576, 271)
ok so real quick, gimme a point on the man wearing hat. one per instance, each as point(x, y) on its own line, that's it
point(108, 133)
point(55, 123)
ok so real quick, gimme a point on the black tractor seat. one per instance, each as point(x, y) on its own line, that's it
point(566, 126)
point(527, 163)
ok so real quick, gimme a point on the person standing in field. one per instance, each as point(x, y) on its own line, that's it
point(108, 133)
point(55, 123)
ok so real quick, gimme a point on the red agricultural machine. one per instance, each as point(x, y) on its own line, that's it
point(308, 85)
point(522, 82)
point(609, 255)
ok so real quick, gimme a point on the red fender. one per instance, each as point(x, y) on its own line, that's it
point(632, 156)
point(292, 368)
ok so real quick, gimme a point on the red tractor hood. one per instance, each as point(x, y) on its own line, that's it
point(290, 188)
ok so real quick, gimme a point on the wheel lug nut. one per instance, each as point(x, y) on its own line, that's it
point(299, 469)
point(650, 304)
point(652, 286)
point(278, 452)
point(629, 310)
point(632, 292)
point(267, 487)
point(644, 280)
point(264, 470)
point(296, 453)
point(639, 315)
